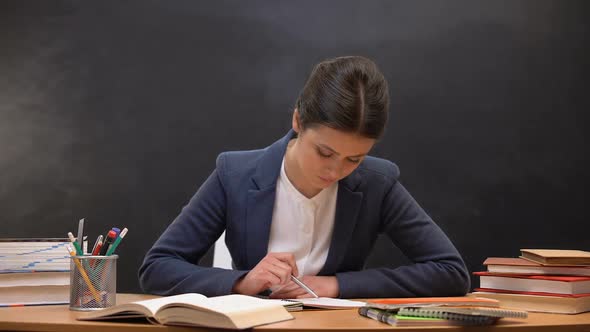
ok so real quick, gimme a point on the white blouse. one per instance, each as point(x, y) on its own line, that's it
point(302, 226)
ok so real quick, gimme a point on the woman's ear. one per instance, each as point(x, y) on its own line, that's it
point(295, 121)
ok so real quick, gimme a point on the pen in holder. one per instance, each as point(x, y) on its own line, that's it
point(93, 282)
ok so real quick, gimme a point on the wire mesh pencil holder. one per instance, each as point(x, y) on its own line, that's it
point(93, 282)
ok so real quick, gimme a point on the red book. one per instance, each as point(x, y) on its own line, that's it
point(555, 303)
point(535, 283)
point(491, 290)
point(524, 266)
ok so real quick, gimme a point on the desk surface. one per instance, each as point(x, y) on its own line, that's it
point(58, 318)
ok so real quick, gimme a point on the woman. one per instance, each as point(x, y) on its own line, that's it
point(310, 205)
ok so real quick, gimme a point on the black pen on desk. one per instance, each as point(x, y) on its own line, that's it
point(107, 242)
point(304, 286)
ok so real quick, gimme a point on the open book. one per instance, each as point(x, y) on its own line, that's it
point(228, 311)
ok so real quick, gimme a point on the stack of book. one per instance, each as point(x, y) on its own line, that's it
point(438, 311)
point(542, 280)
point(34, 271)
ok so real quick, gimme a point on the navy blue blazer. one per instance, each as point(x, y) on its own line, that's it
point(239, 196)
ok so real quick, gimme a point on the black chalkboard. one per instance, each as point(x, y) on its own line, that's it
point(116, 110)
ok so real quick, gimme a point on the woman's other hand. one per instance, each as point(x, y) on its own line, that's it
point(274, 269)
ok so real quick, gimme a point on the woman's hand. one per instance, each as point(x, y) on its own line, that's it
point(322, 286)
point(274, 269)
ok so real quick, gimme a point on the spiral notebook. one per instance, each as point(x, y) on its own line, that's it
point(398, 319)
point(465, 313)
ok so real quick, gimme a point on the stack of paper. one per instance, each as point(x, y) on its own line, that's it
point(34, 271)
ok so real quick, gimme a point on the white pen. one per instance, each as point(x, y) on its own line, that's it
point(304, 286)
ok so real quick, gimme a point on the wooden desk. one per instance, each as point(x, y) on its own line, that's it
point(59, 318)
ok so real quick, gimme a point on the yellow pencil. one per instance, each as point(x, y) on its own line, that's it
point(85, 276)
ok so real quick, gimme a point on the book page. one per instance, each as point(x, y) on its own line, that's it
point(147, 308)
point(155, 304)
point(228, 304)
point(228, 311)
point(290, 305)
point(330, 303)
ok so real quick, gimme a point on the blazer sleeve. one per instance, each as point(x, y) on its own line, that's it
point(437, 269)
point(170, 266)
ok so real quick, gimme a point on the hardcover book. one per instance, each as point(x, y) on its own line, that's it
point(554, 303)
point(556, 256)
point(535, 283)
point(525, 266)
point(34, 278)
point(34, 295)
point(34, 254)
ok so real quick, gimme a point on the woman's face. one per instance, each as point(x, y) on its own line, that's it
point(324, 155)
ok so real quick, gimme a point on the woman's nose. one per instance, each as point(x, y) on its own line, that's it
point(334, 169)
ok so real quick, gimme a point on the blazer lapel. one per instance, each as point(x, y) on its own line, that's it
point(348, 204)
point(261, 199)
point(258, 220)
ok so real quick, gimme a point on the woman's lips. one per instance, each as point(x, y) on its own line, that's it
point(326, 180)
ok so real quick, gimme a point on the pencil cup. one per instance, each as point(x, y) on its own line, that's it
point(93, 282)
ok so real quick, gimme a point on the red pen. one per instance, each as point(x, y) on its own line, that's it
point(95, 252)
point(97, 248)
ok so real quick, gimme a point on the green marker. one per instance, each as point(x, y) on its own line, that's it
point(117, 241)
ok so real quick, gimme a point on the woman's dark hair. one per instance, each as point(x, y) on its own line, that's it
point(345, 93)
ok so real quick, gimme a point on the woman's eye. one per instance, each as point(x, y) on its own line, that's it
point(325, 155)
point(354, 161)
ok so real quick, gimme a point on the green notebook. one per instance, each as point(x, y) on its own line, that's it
point(461, 313)
point(399, 319)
